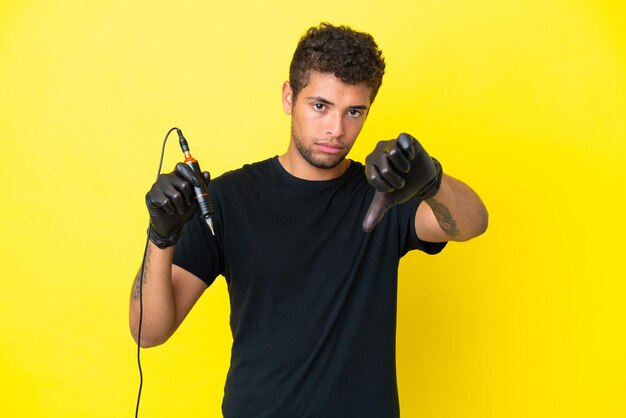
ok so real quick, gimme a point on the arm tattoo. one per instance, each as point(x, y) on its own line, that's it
point(444, 217)
point(137, 283)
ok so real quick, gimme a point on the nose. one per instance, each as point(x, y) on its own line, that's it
point(335, 125)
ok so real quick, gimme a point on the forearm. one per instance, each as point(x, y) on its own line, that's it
point(157, 296)
point(459, 212)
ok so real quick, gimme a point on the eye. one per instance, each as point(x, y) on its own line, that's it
point(319, 106)
point(354, 113)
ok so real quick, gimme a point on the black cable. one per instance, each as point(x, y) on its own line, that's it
point(143, 263)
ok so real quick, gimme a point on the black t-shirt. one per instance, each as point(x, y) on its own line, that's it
point(313, 297)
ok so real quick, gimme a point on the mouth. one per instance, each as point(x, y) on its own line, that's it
point(329, 148)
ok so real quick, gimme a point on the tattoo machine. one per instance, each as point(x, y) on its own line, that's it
point(201, 194)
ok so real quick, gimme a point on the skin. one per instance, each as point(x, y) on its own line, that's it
point(326, 119)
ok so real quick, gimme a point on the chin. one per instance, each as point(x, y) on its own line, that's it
point(325, 163)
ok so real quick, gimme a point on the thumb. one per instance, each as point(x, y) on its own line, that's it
point(376, 211)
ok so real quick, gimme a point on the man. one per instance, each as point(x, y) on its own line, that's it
point(309, 244)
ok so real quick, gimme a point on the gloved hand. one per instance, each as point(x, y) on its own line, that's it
point(399, 169)
point(171, 204)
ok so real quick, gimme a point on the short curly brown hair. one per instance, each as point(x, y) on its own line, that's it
point(351, 56)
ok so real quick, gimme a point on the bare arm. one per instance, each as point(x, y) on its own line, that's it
point(455, 213)
point(169, 292)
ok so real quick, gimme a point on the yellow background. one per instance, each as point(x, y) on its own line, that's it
point(523, 100)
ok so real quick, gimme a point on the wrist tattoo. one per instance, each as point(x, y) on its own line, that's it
point(444, 217)
point(137, 283)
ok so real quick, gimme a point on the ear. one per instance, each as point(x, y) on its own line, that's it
point(287, 97)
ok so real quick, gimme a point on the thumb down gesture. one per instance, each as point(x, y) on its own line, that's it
point(399, 169)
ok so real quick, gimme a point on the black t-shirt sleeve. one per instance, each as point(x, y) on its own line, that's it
point(198, 252)
point(410, 239)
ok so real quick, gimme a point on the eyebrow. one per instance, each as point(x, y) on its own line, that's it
point(328, 102)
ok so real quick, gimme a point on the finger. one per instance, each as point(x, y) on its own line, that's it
point(185, 172)
point(376, 211)
point(156, 199)
point(180, 185)
point(375, 179)
point(408, 145)
point(389, 175)
point(206, 176)
point(399, 161)
point(179, 194)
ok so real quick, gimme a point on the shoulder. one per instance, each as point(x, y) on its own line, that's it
point(355, 177)
point(249, 172)
point(357, 170)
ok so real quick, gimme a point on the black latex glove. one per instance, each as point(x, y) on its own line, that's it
point(171, 204)
point(399, 169)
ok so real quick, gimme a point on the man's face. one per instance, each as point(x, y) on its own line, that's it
point(326, 118)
